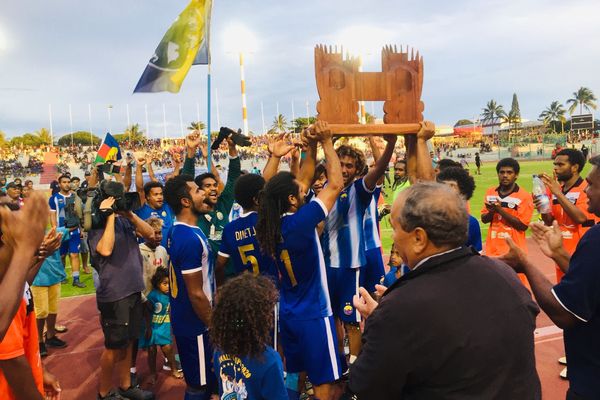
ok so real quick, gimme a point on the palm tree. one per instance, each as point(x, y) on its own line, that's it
point(554, 113)
point(369, 118)
point(582, 98)
point(279, 123)
point(302, 122)
point(133, 133)
point(44, 136)
point(492, 113)
point(197, 126)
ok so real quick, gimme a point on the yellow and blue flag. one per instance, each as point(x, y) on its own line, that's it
point(186, 43)
point(109, 150)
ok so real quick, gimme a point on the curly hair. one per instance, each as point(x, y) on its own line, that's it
point(359, 157)
point(465, 182)
point(160, 274)
point(242, 319)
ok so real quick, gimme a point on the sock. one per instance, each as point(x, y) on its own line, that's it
point(76, 276)
point(133, 370)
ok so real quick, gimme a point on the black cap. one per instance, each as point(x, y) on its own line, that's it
point(14, 185)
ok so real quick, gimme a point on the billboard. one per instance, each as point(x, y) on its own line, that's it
point(584, 121)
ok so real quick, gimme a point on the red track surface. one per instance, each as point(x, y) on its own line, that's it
point(77, 365)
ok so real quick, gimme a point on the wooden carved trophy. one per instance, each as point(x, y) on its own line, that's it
point(341, 86)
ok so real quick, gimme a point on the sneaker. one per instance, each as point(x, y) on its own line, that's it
point(562, 360)
point(167, 367)
point(55, 342)
point(43, 350)
point(78, 283)
point(112, 395)
point(563, 373)
point(135, 393)
point(224, 133)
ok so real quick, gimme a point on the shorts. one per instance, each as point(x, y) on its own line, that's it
point(311, 346)
point(71, 245)
point(374, 271)
point(121, 321)
point(195, 354)
point(45, 300)
point(343, 284)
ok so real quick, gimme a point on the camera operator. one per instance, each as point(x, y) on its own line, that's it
point(120, 285)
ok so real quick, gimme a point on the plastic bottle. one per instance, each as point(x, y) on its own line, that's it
point(539, 192)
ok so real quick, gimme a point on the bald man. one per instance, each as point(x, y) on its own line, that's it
point(438, 331)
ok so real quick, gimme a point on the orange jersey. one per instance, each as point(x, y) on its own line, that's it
point(517, 203)
point(571, 231)
point(22, 340)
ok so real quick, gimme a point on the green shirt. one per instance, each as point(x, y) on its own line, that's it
point(213, 223)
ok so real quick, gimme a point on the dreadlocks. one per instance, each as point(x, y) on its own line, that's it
point(273, 203)
point(242, 320)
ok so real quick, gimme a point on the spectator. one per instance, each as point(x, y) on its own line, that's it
point(119, 292)
point(240, 329)
point(573, 304)
point(13, 191)
point(46, 293)
point(456, 353)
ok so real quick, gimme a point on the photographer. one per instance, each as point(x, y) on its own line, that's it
point(120, 286)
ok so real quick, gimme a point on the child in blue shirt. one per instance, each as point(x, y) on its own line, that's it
point(244, 363)
point(158, 324)
point(397, 268)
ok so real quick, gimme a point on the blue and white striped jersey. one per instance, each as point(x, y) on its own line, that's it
point(371, 222)
point(303, 285)
point(343, 239)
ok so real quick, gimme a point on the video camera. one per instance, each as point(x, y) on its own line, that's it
point(94, 217)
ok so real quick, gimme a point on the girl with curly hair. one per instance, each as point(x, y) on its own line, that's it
point(241, 323)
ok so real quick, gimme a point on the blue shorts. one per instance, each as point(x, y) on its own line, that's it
point(72, 244)
point(343, 284)
point(311, 346)
point(374, 271)
point(195, 354)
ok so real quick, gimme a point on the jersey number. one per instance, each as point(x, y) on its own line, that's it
point(246, 258)
point(285, 258)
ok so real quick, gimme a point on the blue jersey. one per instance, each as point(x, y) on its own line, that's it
point(303, 285)
point(343, 238)
point(371, 222)
point(236, 212)
point(189, 252)
point(160, 323)
point(259, 378)
point(239, 243)
point(165, 213)
point(57, 203)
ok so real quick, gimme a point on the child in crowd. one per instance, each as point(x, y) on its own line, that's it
point(158, 324)
point(397, 268)
point(246, 366)
point(153, 254)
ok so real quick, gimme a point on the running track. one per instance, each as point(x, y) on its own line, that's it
point(77, 365)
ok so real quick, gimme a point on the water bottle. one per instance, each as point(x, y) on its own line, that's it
point(539, 192)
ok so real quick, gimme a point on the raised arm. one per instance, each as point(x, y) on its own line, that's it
point(277, 147)
point(307, 170)
point(424, 167)
point(410, 143)
point(139, 180)
point(335, 180)
point(571, 209)
point(376, 154)
point(381, 165)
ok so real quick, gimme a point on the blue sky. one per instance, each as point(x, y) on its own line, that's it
point(63, 52)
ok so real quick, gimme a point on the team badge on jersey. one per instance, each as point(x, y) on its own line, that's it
point(219, 215)
point(348, 309)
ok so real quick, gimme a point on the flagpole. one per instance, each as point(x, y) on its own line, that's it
point(90, 121)
point(51, 126)
point(244, 107)
point(128, 123)
point(164, 121)
point(181, 121)
point(71, 122)
point(262, 114)
point(147, 124)
point(208, 134)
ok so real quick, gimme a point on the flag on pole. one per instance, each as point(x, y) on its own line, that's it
point(186, 43)
point(109, 150)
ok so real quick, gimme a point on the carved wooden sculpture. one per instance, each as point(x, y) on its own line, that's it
point(341, 86)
